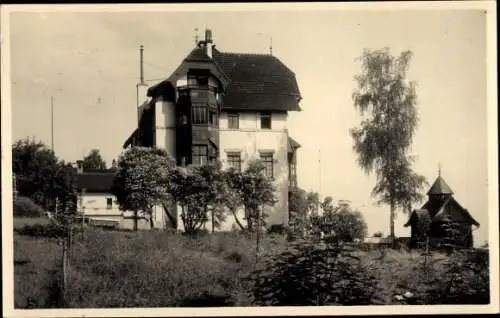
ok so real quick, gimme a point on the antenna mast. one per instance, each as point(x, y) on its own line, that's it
point(142, 64)
point(52, 122)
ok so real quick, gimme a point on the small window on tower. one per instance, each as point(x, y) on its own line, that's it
point(109, 203)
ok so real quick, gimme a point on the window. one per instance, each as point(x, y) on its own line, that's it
point(214, 118)
point(200, 155)
point(109, 203)
point(267, 158)
point(234, 160)
point(233, 121)
point(265, 120)
point(200, 114)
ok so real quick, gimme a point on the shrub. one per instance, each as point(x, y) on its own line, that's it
point(50, 230)
point(465, 280)
point(276, 229)
point(25, 207)
point(309, 274)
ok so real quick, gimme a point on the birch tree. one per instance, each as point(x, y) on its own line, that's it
point(387, 101)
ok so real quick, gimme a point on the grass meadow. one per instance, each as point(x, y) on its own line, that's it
point(162, 269)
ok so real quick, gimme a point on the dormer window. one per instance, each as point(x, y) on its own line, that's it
point(265, 120)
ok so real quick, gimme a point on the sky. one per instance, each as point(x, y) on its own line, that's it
point(89, 63)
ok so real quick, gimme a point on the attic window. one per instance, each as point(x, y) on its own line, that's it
point(265, 120)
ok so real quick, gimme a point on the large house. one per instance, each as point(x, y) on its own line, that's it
point(440, 211)
point(223, 106)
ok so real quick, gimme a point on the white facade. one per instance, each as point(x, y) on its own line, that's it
point(249, 140)
point(96, 207)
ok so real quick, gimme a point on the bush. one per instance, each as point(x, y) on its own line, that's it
point(25, 207)
point(47, 230)
point(465, 280)
point(309, 274)
point(277, 229)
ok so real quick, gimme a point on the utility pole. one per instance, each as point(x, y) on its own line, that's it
point(52, 122)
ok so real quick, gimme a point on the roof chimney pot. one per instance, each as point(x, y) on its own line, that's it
point(208, 42)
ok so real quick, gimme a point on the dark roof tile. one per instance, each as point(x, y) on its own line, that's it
point(257, 82)
point(96, 181)
point(440, 187)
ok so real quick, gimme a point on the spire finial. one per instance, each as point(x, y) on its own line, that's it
point(196, 37)
point(439, 169)
point(271, 46)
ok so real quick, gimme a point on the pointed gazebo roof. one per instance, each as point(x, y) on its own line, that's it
point(440, 187)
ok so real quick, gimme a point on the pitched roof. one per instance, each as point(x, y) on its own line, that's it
point(449, 207)
point(256, 82)
point(292, 144)
point(440, 187)
point(96, 181)
point(452, 208)
point(418, 214)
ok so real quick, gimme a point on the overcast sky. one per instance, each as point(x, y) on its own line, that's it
point(89, 62)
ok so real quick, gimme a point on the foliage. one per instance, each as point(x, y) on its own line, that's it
point(256, 190)
point(34, 165)
point(212, 270)
point(298, 207)
point(143, 179)
point(251, 189)
point(94, 160)
point(312, 202)
point(308, 274)
point(210, 189)
point(378, 234)
point(384, 137)
point(465, 280)
point(66, 193)
point(25, 207)
point(38, 230)
point(339, 223)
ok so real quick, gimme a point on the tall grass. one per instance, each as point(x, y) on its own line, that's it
point(161, 269)
point(158, 269)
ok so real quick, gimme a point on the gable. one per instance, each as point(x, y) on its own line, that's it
point(252, 82)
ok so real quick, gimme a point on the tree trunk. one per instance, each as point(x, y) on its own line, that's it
point(392, 217)
point(170, 217)
point(213, 221)
point(258, 236)
point(238, 221)
point(136, 227)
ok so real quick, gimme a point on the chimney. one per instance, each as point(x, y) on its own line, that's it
point(79, 166)
point(208, 42)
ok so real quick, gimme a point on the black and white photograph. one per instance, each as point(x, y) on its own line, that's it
point(249, 159)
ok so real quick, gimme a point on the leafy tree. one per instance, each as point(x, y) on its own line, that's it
point(387, 101)
point(298, 207)
point(340, 223)
point(233, 193)
point(66, 193)
point(198, 190)
point(143, 179)
point(35, 166)
point(313, 202)
point(256, 190)
point(94, 160)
